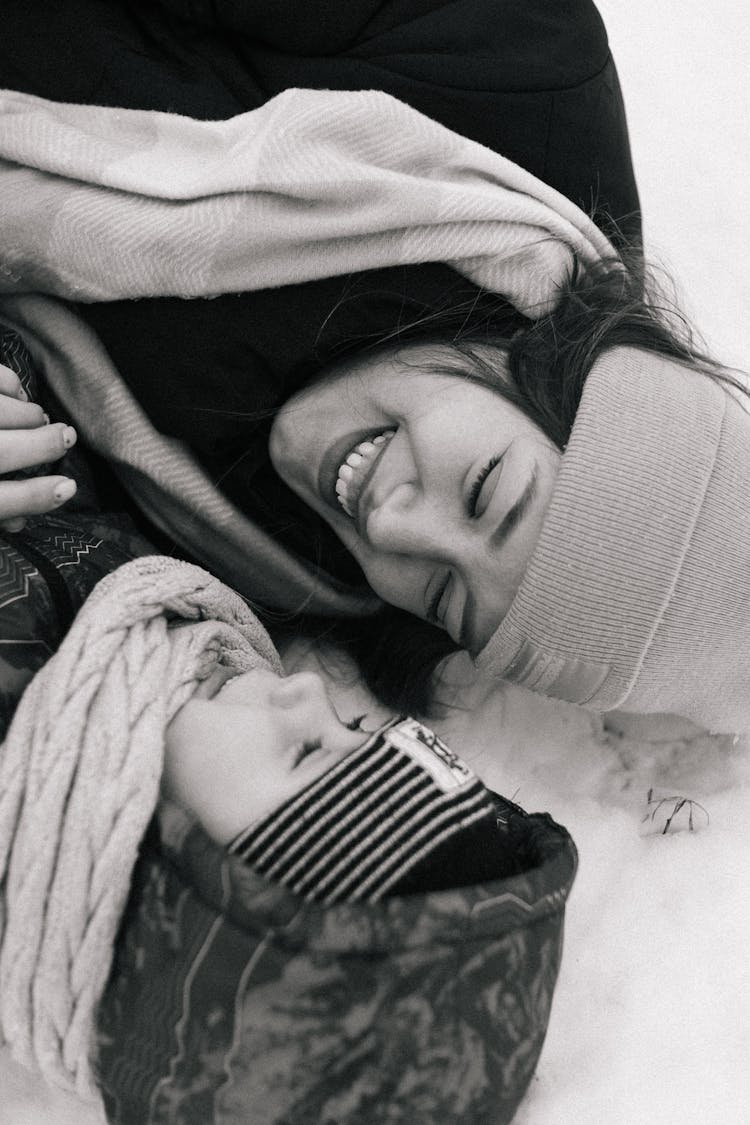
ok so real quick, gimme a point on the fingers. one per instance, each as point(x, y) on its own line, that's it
point(20, 449)
point(20, 415)
point(20, 498)
point(28, 439)
point(10, 384)
point(13, 525)
point(16, 412)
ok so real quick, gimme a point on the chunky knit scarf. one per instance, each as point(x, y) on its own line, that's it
point(79, 782)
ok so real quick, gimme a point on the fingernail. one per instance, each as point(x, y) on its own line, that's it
point(64, 491)
point(22, 394)
point(46, 418)
point(69, 436)
point(14, 525)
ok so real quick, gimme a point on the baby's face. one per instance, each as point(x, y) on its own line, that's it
point(258, 739)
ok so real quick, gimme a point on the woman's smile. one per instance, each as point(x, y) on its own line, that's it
point(435, 482)
point(332, 449)
point(355, 472)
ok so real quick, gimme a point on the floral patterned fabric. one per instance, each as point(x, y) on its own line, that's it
point(232, 1001)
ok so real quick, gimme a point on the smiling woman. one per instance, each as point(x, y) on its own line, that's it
point(533, 88)
point(437, 484)
point(443, 463)
point(436, 462)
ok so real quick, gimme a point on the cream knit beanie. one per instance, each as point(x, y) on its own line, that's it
point(637, 595)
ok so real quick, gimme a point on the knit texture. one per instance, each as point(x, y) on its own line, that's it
point(636, 595)
point(79, 780)
point(374, 820)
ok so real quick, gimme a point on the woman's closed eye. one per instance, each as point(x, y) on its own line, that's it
point(439, 601)
point(437, 606)
point(475, 493)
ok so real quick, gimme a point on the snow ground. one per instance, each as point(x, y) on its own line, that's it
point(651, 1020)
point(684, 75)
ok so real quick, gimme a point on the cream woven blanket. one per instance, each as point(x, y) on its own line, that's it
point(101, 203)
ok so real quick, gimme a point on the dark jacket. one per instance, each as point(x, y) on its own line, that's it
point(532, 79)
point(232, 1000)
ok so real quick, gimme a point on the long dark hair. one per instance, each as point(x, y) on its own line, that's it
point(543, 369)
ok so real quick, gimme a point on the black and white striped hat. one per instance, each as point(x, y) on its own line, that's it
point(400, 814)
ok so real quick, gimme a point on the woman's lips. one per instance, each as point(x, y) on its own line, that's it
point(336, 455)
point(357, 470)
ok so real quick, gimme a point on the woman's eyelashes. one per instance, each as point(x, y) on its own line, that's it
point(476, 488)
point(438, 603)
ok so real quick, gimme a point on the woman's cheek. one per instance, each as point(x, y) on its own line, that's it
point(289, 446)
point(396, 580)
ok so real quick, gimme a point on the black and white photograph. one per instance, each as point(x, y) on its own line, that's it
point(374, 562)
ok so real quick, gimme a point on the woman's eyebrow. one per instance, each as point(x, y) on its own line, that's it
point(511, 519)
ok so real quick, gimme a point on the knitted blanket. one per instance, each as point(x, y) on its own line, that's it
point(101, 204)
point(79, 780)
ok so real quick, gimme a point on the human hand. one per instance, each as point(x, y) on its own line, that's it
point(28, 438)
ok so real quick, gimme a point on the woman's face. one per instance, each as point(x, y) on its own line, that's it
point(242, 746)
point(437, 485)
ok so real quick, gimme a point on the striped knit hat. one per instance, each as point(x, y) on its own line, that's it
point(637, 595)
point(402, 813)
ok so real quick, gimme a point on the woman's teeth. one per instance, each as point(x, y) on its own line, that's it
point(356, 468)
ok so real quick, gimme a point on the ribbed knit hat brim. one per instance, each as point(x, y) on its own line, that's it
point(373, 820)
point(636, 595)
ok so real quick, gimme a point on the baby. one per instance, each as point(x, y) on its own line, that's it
point(167, 692)
point(271, 772)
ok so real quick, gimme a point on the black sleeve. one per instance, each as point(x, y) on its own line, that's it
point(300, 27)
point(531, 79)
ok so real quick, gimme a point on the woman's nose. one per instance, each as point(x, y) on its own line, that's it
point(404, 523)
